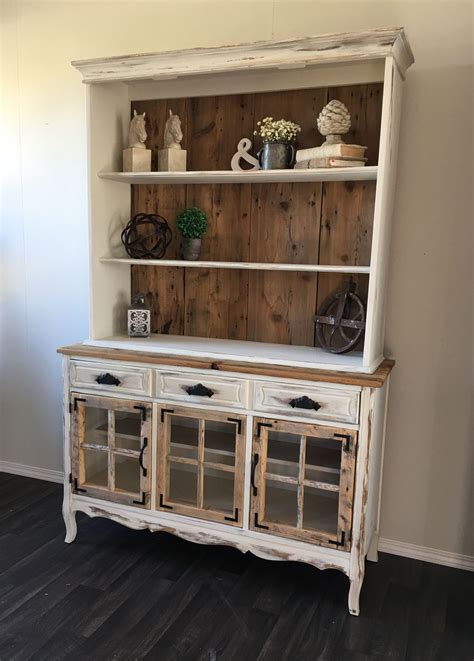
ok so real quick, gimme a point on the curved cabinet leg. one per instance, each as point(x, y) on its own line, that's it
point(69, 517)
point(354, 594)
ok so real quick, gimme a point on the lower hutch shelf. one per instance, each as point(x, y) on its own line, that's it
point(265, 353)
point(281, 461)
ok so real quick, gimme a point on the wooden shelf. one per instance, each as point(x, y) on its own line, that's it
point(365, 173)
point(250, 266)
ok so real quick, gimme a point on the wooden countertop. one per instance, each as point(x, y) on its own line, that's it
point(374, 380)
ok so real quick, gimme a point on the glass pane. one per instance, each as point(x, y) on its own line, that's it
point(128, 430)
point(323, 460)
point(280, 502)
point(127, 474)
point(183, 484)
point(96, 468)
point(96, 426)
point(218, 490)
point(219, 442)
point(184, 436)
point(320, 510)
point(283, 453)
point(322, 476)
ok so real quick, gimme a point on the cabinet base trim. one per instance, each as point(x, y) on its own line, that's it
point(243, 540)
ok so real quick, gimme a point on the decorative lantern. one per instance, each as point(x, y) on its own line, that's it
point(139, 317)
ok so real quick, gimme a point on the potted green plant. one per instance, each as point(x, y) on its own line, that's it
point(192, 225)
point(278, 136)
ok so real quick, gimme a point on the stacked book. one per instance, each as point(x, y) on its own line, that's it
point(337, 155)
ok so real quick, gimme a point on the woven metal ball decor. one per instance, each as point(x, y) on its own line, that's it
point(146, 236)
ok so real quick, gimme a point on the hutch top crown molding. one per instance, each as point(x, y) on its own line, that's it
point(286, 54)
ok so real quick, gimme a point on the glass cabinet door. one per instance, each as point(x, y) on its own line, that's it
point(302, 481)
point(110, 439)
point(201, 469)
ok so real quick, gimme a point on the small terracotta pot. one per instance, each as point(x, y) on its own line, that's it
point(191, 248)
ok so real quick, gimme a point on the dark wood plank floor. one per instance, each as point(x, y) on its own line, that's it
point(121, 594)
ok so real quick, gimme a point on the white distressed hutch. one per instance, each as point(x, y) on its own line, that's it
point(234, 427)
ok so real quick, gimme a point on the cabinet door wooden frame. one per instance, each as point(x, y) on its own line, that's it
point(168, 457)
point(112, 454)
point(261, 477)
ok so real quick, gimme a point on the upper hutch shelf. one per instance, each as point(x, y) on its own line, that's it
point(248, 266)
point(366, 173)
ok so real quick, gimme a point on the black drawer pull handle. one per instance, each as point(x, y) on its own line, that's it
point(199, 390)
point(140, 458)
point(108, 380)
point(304, 403)
point(252, 473)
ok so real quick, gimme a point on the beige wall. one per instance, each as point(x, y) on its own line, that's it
point(429, 462)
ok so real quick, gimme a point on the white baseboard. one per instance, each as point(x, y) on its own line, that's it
point(31, 471)
point(427, 554)
point(404, 549)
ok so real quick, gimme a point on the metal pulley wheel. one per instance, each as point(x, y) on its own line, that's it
point(340, 321)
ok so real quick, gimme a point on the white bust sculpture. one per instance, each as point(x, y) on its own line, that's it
point(136, 132)
point(173, 133)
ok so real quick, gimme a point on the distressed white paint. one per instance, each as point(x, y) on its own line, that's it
point(133, 380)
point(272, 398)
point(240, 350)
point(383, 211)
point(357, 561)
point(109, 203)
point(374, 496)
point(207, 532)
point(227, 392)
point(287, 54)
point(322, 75)
point(248, 266)
point(365, 173)
point(248, 394)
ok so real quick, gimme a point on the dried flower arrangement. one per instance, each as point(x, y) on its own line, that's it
point(277, 130)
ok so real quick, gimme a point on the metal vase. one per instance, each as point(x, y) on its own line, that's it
point(276, 156)
point(191, 248)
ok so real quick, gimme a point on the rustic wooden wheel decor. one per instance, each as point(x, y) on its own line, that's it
point(146, 236)
point(340, 321)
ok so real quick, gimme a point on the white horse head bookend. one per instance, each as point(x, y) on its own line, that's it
point(172, 158)
point(137, 132)
point(173, 133)
point(137, 158)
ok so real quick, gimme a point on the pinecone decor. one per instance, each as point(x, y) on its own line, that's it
point(334, 120)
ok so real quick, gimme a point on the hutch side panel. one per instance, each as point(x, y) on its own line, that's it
point(108, 118)
point(386, 183)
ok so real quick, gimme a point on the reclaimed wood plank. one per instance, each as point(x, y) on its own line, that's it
point(215, 299)
point(163, 289)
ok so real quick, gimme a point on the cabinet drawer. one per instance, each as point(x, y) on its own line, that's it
point(202, 389)
point(111, 378)
point(307, 402)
